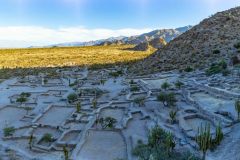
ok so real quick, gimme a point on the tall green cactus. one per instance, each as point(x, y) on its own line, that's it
point(219, 135)
point(204, 139)
point(169, 143)
point(30, 141)
point(66, 153)
point(78, 107)
point(172, 115)
point(237, 108)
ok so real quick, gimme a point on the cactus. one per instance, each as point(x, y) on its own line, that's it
point(172, 115)
point(30, 141)
point(204, 139)
point(237, 108)
point(94, 103)
point(169, 143)
point(78, 107)
point(65, 152)
point(219, 135)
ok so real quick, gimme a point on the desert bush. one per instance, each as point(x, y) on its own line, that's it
point(107, 122)
point(21, 99)
point(179, 84)
point(237, 45)
point(47, 137)
point(25, 94)
point(134, 89)
point(216, 51)
point(8, 131)
point(165, 85)
point(160, 146)
point(215, 68)
point(188, 69)
point(72, 97)
point(168, 99)
point(140, 101)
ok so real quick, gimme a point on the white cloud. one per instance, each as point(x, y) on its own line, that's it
point(25, 36)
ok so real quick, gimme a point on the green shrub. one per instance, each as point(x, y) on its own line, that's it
point(115, 74)
point(107, 122)
point(215, 68)
point(134, 89)
point(8, 131)
point(47, 137)
point(24, 94)
point(168, 99)
point(72, 97)
point(188, 69)
point(179, 84)
point(21, 99)
point(165, 85)
point(160, 146)
point(140, 101)
point(216, 51)
point(73, 84)
point(237, 45)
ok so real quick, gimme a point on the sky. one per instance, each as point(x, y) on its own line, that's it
point(25, 23)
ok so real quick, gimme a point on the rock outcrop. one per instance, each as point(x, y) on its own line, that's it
point(141, 47)
point(158, 43)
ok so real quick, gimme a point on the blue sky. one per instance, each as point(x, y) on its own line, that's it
point(83, 20)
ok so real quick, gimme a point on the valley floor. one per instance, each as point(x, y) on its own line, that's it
point(38, 105)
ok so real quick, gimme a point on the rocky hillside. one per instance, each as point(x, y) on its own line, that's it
point(214, 39)
point(166, 34)
point(158, 43)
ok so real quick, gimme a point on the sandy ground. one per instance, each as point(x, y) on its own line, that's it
point(56, 116)
point(103, 145)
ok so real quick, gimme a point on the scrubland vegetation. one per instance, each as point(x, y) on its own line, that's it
point(69, 56)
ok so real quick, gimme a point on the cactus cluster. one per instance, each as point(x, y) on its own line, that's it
point(205, 141)
point(170, 143)
point(219, 135)
point(237, 108)
point(172, 115)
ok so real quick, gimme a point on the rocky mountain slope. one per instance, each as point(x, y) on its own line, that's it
point(214, 39)
point(166, 34)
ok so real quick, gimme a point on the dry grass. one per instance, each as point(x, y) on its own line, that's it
point(69, 56)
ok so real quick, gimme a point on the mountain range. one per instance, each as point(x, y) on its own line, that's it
point(166, 34)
